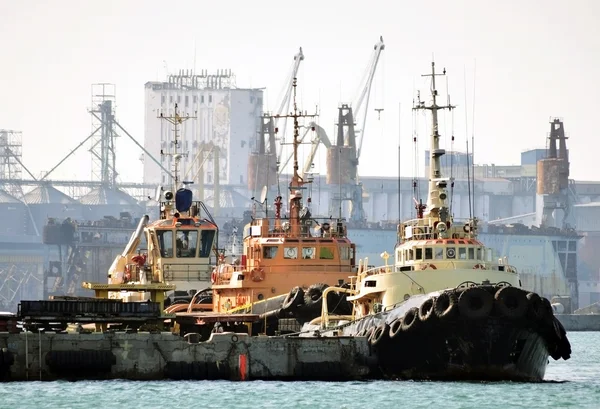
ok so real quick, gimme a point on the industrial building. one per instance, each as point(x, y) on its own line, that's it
point(223, 121)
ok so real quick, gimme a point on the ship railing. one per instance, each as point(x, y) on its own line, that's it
point(430, 264)
point(187, 272)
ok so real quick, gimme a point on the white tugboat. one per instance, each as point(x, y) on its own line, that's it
point(446, 309)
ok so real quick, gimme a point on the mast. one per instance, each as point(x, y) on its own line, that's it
point(437, 206)
point(175, 120)
point(297, 181)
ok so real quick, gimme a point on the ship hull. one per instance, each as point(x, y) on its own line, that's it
point(488, 351)
point(477, 333)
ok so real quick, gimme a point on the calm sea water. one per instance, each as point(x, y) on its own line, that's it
point(574, 383)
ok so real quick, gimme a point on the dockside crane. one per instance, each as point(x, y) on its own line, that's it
point(264, 161)
point(344, 156)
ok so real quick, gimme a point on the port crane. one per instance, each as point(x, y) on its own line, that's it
point(284, 106)
point(352, 120)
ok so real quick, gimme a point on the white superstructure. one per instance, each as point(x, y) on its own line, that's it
point(223, 116)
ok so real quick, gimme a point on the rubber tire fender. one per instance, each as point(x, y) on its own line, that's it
point(294, 299)
point(511, 302)
point(369, 333)
point(475, 303)
point(314, 293)
point(426, 312)
point(410, 321)
point(536, 311)
point(395, 327)
point(445, 305)
point(381, 331)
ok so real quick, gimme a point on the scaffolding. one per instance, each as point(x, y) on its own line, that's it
point(103, 134)
point(11, 165)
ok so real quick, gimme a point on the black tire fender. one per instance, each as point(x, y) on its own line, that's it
point(314, 293)
point(294, 299)
point(475, 303)
point(426, 310)
point(369, 333)
point(395, 327)
point(411, 320)
point(379, 334)
point(511, 302)
point(536, 310)
point(444, 305)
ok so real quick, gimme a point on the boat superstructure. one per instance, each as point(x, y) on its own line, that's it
point(434, 251)
point(290, 250)
point(179, 245)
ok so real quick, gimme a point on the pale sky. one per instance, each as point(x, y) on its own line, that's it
point(530, 60)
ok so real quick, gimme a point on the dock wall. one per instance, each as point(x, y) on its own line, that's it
point(156, 356)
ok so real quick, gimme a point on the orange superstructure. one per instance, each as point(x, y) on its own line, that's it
point(285, 251)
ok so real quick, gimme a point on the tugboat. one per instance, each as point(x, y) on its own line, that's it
point(292, 251)
point(181, 244)
point(446, 309)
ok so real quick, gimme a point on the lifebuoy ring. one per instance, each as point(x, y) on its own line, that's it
point(479, 267)
point(467, 228)
point(213, 276)
point(257, 274)
point(429, 265)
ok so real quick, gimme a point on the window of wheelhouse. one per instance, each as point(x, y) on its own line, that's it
point(428, 253)
point(345, 253)
point(186, 243)
point(326, 253)
point(269, 252)
point(308, 253)
point(471, 253)
point(438, 253)
point(206, 242)
point(165, 242)
point(418, 253)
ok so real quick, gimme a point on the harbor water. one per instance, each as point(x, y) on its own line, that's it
point(574, 383)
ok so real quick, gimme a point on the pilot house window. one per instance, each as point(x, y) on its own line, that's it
point(428, 253)
point(439, 253)
point(326, 253)
point(308, 252)
point(187, 241)
point(269, 251)
point(346, 253)
point(165, 242)
point(290, 252)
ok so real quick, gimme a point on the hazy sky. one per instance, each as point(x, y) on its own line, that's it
point(534, 60)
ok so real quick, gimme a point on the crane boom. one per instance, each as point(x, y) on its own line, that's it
point(366, 92)
point(321, 138)
point(287, 97)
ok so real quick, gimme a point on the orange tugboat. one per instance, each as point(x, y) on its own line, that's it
point(293, 250)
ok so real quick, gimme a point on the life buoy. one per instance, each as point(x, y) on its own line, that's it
point(257, 274)
point(479, 267)
point(467, 228)
point(213, 276)
point(429, 265)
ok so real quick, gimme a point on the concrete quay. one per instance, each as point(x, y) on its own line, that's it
point(580, 322)
point(157, 356)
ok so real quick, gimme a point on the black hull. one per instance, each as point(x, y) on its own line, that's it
point(488, 351)
point(478, 336)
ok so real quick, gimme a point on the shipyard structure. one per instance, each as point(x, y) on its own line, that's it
point(56, 234)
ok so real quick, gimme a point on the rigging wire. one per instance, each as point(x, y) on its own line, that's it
point(471, 202)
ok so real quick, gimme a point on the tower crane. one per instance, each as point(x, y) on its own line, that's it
point(350, 137)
